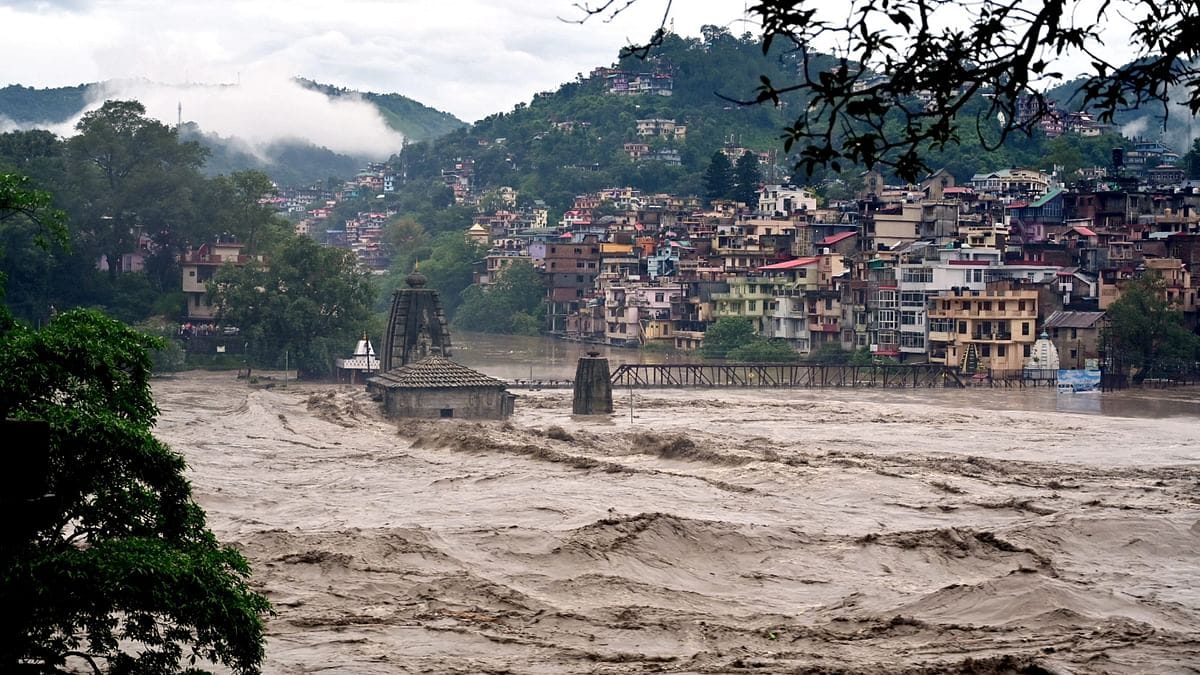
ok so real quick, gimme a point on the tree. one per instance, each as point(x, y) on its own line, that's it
point(306, 305)
point(746, 179)
point(726, 334)
point(450, 267)
point(133, 176)
point(235, 206)
point(1146, 331)
point(895, 83)
point(1191, 161)
point(106, 561)
point(762, 350)
point(514, 304)
point(718, 179)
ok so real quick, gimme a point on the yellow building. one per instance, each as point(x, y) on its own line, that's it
point(977, 331)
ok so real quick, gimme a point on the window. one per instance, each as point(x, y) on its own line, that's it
point(962, 327)
point(887, 318)
point(912, 299)
point(941, 325)
point(1001, 306)
point(753, 305)
point(985, 351)
point(987, 305)
point(1074, 334)
point(658, 297)
point(828, 303)
point(1027, 351)
point(1074, 354)
point(579, 278)
point(578, 251)
point(1025, 329)
point(1001, 350)
point(578, 264)
point(915, 340)
point(446, 412)
point(909, 319)
point(1020, 305)
point(917, 275)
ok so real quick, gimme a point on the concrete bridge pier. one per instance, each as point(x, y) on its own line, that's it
point(593, 386)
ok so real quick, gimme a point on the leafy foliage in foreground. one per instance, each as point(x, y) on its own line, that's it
point(117, 568)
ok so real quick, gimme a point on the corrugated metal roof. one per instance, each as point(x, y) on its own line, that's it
point(835, 238)
point(1065, 319)
point(790, 264)
point(434, 372)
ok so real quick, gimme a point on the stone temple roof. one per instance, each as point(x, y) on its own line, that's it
point(435, 372)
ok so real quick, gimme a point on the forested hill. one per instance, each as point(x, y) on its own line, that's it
point(27, 105)
point(415, 120)
point(573, 140)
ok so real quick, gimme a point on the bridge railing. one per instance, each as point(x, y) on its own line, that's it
point(686, 375)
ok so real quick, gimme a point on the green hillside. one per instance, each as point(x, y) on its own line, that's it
point(27, 105)
point(415, 120)
point(573, 140)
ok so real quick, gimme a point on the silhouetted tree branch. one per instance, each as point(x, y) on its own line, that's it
point(905, 84)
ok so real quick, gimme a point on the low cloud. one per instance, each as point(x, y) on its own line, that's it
point(264, 109)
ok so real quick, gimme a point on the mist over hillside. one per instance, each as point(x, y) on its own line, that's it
point(297, 131)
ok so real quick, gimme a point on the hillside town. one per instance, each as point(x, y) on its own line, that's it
point(968, 275)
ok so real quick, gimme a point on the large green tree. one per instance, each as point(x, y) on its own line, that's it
point(1145, 331)
point(718, 178)
point(514, 304)
point(725, 335)
point(450, 267)
point(747, 177)
point(306, 305)
point(106, 563)
point(132, 176)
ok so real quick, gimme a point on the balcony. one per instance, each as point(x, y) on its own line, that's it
point(979, 336)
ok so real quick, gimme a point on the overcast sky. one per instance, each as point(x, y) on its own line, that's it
point(471, 58)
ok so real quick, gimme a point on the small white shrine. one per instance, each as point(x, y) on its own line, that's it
point(1043, 355)
point(362, 365)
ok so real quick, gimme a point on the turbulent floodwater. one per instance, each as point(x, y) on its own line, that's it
point(717, 531)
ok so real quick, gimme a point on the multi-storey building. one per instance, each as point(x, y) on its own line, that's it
point(570, 269)
point(198, 267)
point(980, 330)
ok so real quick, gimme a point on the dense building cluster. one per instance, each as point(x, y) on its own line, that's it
point(967, 275)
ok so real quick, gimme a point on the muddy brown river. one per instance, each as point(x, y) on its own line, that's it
point(715, 531)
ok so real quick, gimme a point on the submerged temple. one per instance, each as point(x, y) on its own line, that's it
point(418, 377)
point(416, 325)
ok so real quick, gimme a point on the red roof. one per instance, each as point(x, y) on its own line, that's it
point(791, 264)
point(1085, 231)
point(1017, 205)
point(835, 238)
